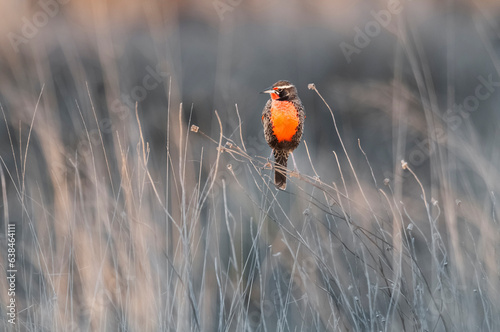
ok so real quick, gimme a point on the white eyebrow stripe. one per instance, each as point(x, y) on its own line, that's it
point(283, 87)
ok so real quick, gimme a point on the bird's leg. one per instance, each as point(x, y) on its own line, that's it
point(268, 164)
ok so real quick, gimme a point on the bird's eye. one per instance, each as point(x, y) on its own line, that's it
point(279, 91)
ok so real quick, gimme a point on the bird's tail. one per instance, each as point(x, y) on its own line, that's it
point(281, 158)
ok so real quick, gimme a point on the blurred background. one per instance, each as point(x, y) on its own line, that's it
point(126, 219)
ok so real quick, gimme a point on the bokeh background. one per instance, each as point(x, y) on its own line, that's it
point(128, 219)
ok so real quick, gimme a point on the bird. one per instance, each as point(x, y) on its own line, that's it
point(283, 121)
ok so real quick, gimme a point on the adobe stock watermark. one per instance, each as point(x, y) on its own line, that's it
point(31, 26)
point(453, 118)
point(11, 273)
point(484, 90)
point(420, 152)
point(363, 37)
point(222, 7)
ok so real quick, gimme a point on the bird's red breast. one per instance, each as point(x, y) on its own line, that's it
point(284, 118)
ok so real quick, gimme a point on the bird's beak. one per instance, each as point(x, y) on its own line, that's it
point(268, 90)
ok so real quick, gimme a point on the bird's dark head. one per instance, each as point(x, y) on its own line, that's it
point(282, 90)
